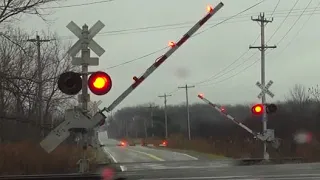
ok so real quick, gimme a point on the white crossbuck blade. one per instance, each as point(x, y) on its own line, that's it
point(74, 118)
point(94, 30)
point(265, 89)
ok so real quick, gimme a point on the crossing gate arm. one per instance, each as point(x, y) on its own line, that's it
point(228, 116)
point(163, 58)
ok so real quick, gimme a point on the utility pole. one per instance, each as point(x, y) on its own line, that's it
point(165, 112)
point(151, 111)
point(263, 47)
point(38, 42)
point(187, 104)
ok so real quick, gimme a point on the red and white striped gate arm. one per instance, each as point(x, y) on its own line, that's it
point(226, 114)
point(160, 60)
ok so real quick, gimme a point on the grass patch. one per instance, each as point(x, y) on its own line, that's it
point(29, 158)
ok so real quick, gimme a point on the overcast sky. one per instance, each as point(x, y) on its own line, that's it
point(202, 56)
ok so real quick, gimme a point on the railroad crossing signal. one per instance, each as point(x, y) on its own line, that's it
point(95, 47)
point(265, 89)
point(258, 109)
point(70, 83)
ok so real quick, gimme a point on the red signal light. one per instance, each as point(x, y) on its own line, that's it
point(164, 143)
point(200, 96)
point(99, 83)
point(209, 8)
point(257, 109)
point(172, 44)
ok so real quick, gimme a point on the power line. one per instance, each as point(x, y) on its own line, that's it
point(275, 8)
point(231, 17)
point(136, 59)
point(223, 22)
point(239, 58)
point(78, 5)
point(243, 70)
point(215, 76)
point(284, 20)
point(267, 52)
point(294, 23)
point(215, 83)
point(298, 32)
point(121, 64)
point(174, 26)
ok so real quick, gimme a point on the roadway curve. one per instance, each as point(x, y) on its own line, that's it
point(151, 158)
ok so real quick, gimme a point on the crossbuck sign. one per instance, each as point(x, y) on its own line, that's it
point(95, 47)
point(265, 89)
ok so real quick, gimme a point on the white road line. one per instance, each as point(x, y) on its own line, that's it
point(108, 152)
point(192, 157)
point(123, 168)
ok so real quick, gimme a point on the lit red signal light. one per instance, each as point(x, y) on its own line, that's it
point(257, 109)
point(99, 83)
point(200, 96)
point(164, 143)
point(172, 44)
point(209, 8)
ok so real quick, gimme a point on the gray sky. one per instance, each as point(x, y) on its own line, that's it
point(202, 56)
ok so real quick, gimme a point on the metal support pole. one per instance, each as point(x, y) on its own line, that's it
point(165, 112)
point(151, 114)
point(187, 104)
point(40, 83)
point(85, 56)
point(263, 21)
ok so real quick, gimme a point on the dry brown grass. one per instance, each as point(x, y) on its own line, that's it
point(29, 158)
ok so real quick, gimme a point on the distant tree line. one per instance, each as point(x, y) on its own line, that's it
point(300, 111)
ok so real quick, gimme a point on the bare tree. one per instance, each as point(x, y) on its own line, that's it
point(299, 94)
point(10, 9)
point(299, 99)
point(315, 93)
point(18, 97)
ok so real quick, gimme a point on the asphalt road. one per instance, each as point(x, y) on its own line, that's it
point(133, 158)
point(145, 163)
point(257, 172)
